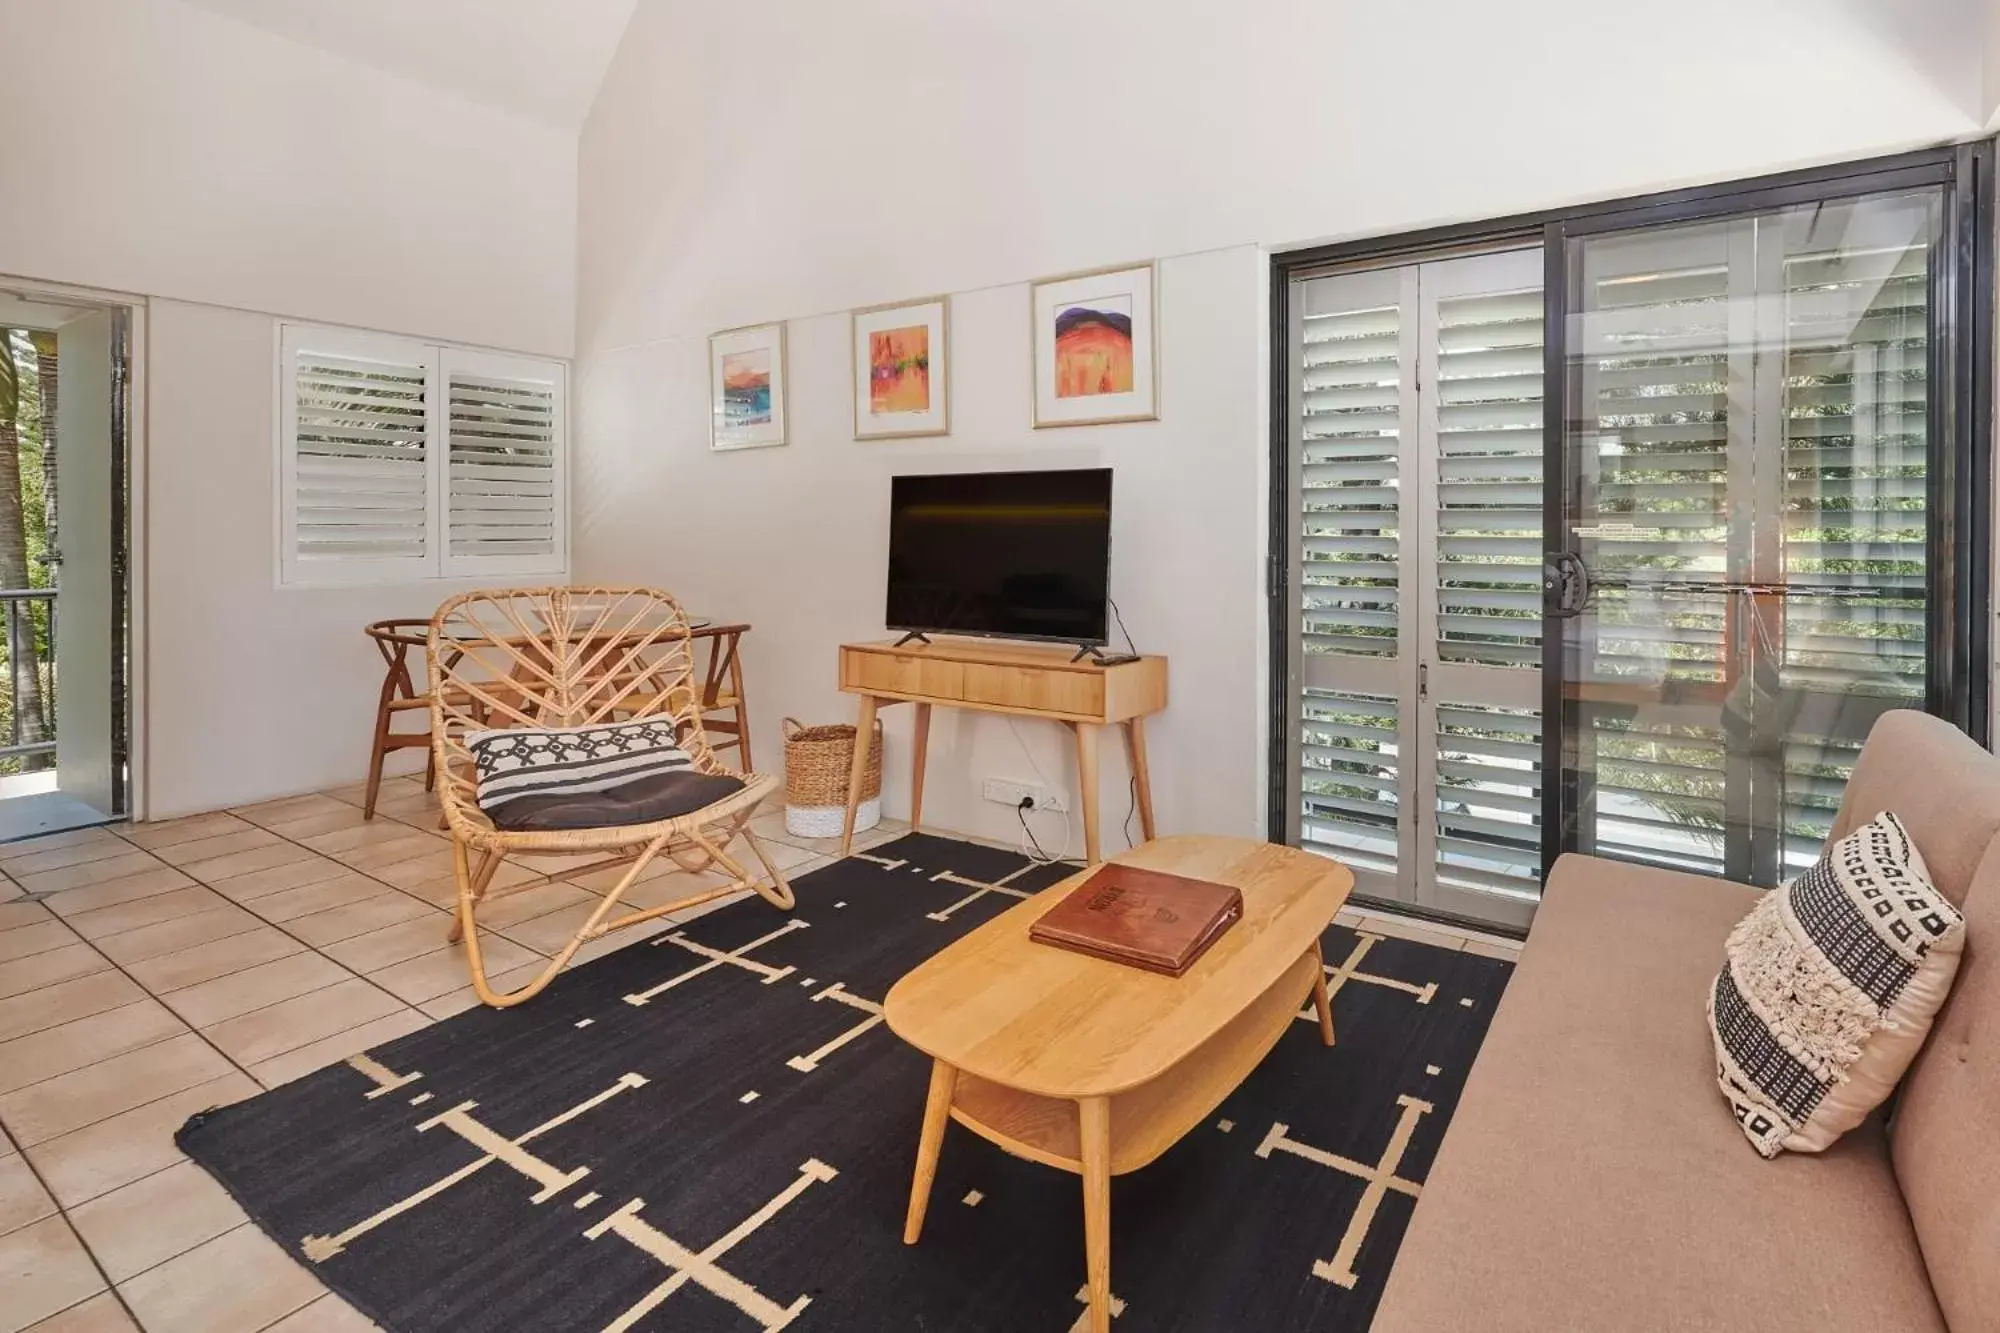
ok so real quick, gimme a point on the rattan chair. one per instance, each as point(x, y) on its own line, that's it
point(576, 657)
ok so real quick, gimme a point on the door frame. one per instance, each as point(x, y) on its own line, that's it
point(131, 498)
point(1962, 692)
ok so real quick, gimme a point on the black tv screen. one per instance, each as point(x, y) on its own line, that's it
point(1022, 555)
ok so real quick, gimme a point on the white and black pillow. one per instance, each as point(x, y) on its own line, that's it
point(529, 762)
point(1830, 987)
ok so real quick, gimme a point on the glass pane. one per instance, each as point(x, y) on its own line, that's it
point(1745, 466)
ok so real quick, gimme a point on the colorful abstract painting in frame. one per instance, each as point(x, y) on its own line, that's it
point(1096, 356)
point(902, 384)
point(746, 386)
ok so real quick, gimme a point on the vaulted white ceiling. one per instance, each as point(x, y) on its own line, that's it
point(541, 59)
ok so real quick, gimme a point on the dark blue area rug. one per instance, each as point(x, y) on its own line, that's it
point(733, 1152)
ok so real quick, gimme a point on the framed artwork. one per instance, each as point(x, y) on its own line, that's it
point(746, 387)
point(902, 382)
point(1096, 357)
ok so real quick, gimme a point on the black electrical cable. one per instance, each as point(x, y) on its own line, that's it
point(1121, 627)
point(1021, 812)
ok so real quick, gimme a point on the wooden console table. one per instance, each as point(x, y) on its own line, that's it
point(1023, 680)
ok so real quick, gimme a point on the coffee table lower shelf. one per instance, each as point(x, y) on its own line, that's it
point(1101, 1137)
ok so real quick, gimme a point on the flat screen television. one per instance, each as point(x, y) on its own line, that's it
point(1018, 555)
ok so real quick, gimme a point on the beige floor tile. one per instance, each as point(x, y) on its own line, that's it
point(288, 809)
point(783, 854)
point(239, 1282)
point(26, 941)
point(391, 944)
point(247, 888)
point(146, 912)
point(460, 1000)
point(248, 861)
point(885, 831)
point(375, 833)
point(87, 1162)
point(1404, 929)
point(226, 997)
point(622, 939)
point(337, 817)
point(74, 854)
point(328, 1314)
point(218, 958)
point(9, 890)
point(427, 865)
point(601, 881)
point(556, 865)
point(328, 893)
point(84, 1041)
point(171, 832)
point(502, 910)
point(102, 1313)
point(442, 891)
point(383, 858)
point(209, 850)
point(269, 1032)
point(659, 890)
point(418, 979)
point(127, 888)
point(303, 1060)
point(1493, 949)
point(22, 1198)
point(90, 872)
point(217, 923)
point(44, 1269)
point(21, 975)
point(48, 1006)
point(551, 932)
point(386, 908)
point(153, 1219)
point(14, 851)
point(23, 913)
point(55, 1106)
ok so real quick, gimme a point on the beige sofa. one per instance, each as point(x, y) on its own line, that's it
point(1592, 1178)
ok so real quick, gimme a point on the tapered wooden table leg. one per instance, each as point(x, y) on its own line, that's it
point(920, 745)
point(1094, 1129)
point(864, 732)
point(1321, 1001)
point(1086, 782)
point(937, 1115)
point(1142, 774)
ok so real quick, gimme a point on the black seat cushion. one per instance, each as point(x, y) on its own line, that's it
point(643, 800)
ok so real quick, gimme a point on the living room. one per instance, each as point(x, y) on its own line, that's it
point(1513, 716)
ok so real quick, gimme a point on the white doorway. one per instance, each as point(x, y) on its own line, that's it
point(66, 416)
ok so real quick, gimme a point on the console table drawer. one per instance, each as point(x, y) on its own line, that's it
point(1072, 693)
point(896, 674)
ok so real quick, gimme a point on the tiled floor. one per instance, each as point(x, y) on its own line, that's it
point(148, 972)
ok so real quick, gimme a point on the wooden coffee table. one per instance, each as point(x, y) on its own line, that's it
point(1098, 1068)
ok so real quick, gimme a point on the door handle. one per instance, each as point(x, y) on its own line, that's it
point(1565, 584)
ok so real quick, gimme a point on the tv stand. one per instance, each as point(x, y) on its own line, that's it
point(1014, 679)
point(914, 636)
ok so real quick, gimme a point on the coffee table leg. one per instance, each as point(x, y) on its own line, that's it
point(1094, 1129)
point(937, 1114)
point(1321, 1001)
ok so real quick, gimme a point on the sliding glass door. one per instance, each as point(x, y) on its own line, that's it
point(1746, 506)
point(1656, 620)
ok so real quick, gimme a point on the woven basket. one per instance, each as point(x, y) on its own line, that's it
point(818, 762)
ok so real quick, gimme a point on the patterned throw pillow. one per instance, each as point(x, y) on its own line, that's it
point(569, 761)
point(1829, 989)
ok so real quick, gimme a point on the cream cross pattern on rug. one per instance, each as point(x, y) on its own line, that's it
point(495, 1147)
point(805, 1064)
point(1349, 970)
point(702, 1269)
point(717, 958)
point(1082, 1324)
point(980, 889)
point(882, 861)
point(1380, 1178)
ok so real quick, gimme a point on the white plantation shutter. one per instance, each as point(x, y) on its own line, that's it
point(400, 460)
point(504, 490)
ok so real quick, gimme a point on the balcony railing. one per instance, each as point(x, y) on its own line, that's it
point(20, 630)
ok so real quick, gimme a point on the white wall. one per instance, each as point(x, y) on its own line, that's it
point(221, 170)
point(884, 149)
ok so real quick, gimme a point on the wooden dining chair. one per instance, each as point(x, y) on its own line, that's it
point(395, 640)
point(578, 657)
point(724, 713)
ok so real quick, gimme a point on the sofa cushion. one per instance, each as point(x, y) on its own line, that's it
point(1829, 990)
point(1946, 1135)
point(1945, 787)
point(1588, 1181)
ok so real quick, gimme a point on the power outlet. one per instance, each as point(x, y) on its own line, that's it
point(1010, 794)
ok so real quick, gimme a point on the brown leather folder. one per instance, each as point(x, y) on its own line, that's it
point(1141, 918)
